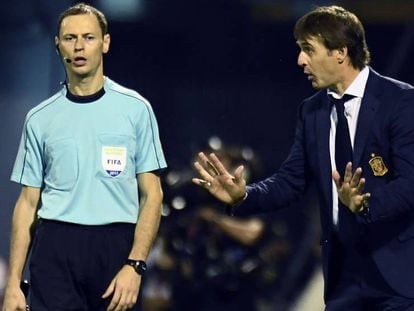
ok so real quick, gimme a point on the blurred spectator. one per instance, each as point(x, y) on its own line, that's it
point(206, 260)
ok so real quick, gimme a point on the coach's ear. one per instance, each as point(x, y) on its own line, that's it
point(341, 54)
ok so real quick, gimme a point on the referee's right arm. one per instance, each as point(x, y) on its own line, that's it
point(24, 216)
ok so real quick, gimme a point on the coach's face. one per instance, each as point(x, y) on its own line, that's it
point(81, 42)
point(322, 66)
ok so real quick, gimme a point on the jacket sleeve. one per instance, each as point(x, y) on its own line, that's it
point(286, 185)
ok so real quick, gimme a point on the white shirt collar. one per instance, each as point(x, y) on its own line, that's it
point(357, 87)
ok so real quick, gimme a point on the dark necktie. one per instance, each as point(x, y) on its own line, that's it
point(343, 147)
point(343, 155)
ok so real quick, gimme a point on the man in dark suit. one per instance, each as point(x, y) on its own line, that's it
point(355, 140)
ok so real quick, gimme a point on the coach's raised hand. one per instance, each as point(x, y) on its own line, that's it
point(213, 176)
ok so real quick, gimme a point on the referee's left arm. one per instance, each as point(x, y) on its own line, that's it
point(149, 215)
point(126, 284)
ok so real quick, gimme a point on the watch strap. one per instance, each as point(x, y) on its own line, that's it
point(139, 266)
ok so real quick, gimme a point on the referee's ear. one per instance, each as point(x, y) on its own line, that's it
point(106, 43)
point(57, 46)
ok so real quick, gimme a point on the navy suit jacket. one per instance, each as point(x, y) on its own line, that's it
point(385, 128)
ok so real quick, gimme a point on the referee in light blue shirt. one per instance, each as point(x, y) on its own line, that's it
point(88, 162)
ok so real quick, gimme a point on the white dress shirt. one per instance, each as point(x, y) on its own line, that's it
point(352, 106)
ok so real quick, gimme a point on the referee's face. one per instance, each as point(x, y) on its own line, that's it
point(81, 44)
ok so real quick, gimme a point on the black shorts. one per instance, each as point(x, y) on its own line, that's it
point(72, 265)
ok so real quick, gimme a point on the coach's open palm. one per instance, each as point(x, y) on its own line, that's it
point(218, 181)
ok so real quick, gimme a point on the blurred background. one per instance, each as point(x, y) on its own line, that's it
point(221, 75)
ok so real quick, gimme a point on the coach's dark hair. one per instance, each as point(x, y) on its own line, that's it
point(81, 9)
point(336, 28)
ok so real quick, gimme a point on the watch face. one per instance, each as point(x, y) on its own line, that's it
point(139, 265)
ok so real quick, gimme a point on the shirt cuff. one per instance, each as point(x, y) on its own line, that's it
point(229, 210)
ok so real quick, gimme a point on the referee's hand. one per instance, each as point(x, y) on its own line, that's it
point(124, 289)
point(14, 299)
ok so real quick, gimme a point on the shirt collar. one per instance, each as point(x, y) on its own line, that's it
point(85, 99)
point(357, 87)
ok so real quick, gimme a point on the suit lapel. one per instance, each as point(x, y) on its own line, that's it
point(369, 106)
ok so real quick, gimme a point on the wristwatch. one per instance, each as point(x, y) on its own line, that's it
point(139, 265)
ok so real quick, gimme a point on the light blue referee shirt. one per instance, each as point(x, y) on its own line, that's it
point(85, 152)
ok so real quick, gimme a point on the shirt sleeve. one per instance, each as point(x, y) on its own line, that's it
point(28, 168)
point(148, 152)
